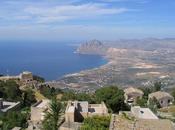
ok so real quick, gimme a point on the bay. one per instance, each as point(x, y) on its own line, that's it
point(51, 60)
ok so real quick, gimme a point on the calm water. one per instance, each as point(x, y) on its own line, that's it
point(50, 60)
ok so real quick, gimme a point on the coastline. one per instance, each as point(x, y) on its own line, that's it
point(91, 69)
point(124, 68)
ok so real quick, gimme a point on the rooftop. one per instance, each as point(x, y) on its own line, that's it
point(84, 106)
point(160, 95)
point(143, 113)
point(133, 90)
point(42, 104)
point(119, 122)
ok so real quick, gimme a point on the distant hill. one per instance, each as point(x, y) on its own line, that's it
point(92, 47)
point(148, 44)
point(143, 44)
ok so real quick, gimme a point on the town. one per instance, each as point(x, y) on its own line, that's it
point(87, 64)
point(27, 103)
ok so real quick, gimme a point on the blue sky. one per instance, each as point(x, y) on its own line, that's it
point(86, 19)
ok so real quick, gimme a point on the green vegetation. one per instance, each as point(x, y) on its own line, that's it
point(173, 94)
point(169, 109)
point(157, 86)
point(141, 102)
point(79, 96)
point(147, 90)
point(39, 96)
point(48, 92)
point(12, 119)
point(10, 91)
point(53, 115)
point(154, 105)
point(96, 123)
point(113, 97)
point(131, 118)
point(28, 98)
point(38, 78)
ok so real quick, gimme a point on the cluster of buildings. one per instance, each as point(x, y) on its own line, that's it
point(132, 94)
point(74, 115)
point(136, 119)
point(77, 111)
point(142, 118)
point(139, 119)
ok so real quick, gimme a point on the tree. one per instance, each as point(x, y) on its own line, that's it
point(28, 97)
point(153, 104)
point(146, 91)
point(86, 97)
point(52, 115)
point(12, 119)
point(157, 86)
point(47, 91)
point(141, 102)
point(112, 96)
point(10, 90)
point(68, 96)
point(38, 78)
point(173, 93)
point(79, 96)
point(96, 123)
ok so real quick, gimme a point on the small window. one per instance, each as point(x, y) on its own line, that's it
point(141, 112)
point(169, 101)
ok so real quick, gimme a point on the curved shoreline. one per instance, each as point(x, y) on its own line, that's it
point(90, 69)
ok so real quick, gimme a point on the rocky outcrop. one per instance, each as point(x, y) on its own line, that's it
point(94, 47)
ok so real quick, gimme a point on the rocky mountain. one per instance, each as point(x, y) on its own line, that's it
point(92, 47)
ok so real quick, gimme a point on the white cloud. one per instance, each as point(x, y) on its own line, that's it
point(137, 1)
point(66, 12)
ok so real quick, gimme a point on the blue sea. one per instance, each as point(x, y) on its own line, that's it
point(51, 60)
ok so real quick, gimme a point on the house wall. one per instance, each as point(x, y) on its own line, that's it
point(132, 95)
point(69, 117)
point(164, 102)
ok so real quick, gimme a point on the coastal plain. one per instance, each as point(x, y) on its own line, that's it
point(134, 62)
